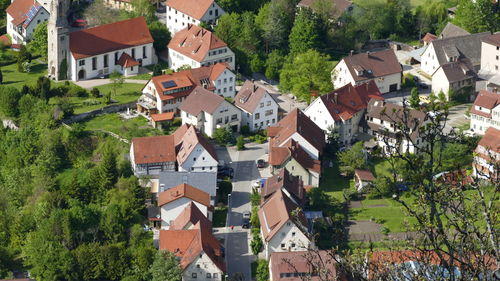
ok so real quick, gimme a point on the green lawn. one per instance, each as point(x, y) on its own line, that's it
point(220, 215)
point(334, 184)
point(11, 77)
point(129, 92)
point(144, 76)
point(364, 3)
point(136, 127)
point(382, 167)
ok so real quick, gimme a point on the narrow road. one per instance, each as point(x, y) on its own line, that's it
point(89, 84)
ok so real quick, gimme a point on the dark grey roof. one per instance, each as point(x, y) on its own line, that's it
point(451, 30)
point(467, 46)
point(458, 71)
point(206, 181)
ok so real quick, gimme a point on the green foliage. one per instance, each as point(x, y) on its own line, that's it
point(160, 34)
point(254, 219)
point(274, 63)
point(352, 158)
point(256, 244)
point(262, 273)
point(309, 71)
point(107, 172)
point(23, 56)
point(95, 92)
point(42, 89)
point(143, 8)
point(275, 19)
point(1, 77)
point(117, 80)
point(225, 188)
point(183, 67)
point(222, 136)
point(157, 70)
point(245, 130)
point(255, 197)
point(408, 81)
point(456, 156)
point(383, 187)
point(318, 199)
point(38, 44)
point(240, 143)
point(98, 13)
point(414, 98)
point(432, 15)
point(477, 16)
point(63, 70)
point(165, 267)
point(9, 99)
point(305, 33)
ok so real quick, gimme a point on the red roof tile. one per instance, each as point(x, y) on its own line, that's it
point(284, 180)
point(188, 143)
point(200, 100)
point(373, 64)
point(166, 116)
point(283, 263)
point(109, 37)
point(249, 96)
point(195, 42)
point(493, 39)
point(189, 217)
point(291, 149)
point(155, 149)
point(364, 175)
point(127, 61)
point(19, 9)
point(193, 8)
point(429, 37)
point(491, 140)
point(184, 190)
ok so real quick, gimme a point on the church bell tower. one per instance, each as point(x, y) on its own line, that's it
point(58, 40)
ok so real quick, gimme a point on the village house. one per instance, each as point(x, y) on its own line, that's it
point(199, 253)
point(283, 226)
point(382, 119)
point(485, 112)
point(487, 156)
point(362, 179)
point(382, 67)
point(451, 30)
point(292, 266)
point(338, 7)
point(164, 93)
point(428, 38)
point(120, 4)
point(458, 77)
point(23, 16)
point(195, 153)
point(292, 186)
point(174, 200)
point(208, 111)
point(343, 109)
point(452, 49)
point(490, 61)
point(181, 13)
point(297, 126)
point(205, 181)
point(189, 217)
point(195, 46)
point(259, 109)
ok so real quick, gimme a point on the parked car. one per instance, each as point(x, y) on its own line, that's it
point(261, 163)
point(246, 223)
point(423, 85)
point(79, 23)
point(246, 214)
point(424, 99)
point(416, 78)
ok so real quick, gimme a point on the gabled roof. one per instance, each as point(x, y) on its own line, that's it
point(193, 8)
point(364, 175)
point(339, 5)
point(491, 140)
point(283, 263)
point(297, 122)
point(127, 61)
point(189, 244)
point(346, 101)
point(195, 42)
point(291, 149)
point(487, 100)
point(458, 70)
point(277, 211)
point(249, 96)
point(184, 190)
point(190, 139)
point(156, 149)
point(23, 11)
point(493, 39)
point(429, 37)
point(165, 116)
point(466, 46)
point(189, 217)
point(109, 37)
point(451, 30)
point(372, 64)
point(284, 180)
point(201, 100)
point(206, 181)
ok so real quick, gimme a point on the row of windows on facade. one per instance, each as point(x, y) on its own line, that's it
point(203, 168)
point(262, 123)
point(267, 113)
point(226, 119)
point(211, 12)
point(229, 59)
point(225, 80)
point(214, 53)
point(208, 276)
point(106, 60)
point(225, 90)
point(174, 101)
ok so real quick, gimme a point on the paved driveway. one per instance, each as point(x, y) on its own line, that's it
point(237, 241)
point(456, 117)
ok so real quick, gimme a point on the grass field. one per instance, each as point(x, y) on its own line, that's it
point(220, 215)
point(131, 128)
point(11, 77)
point(334, 184)
point(364, 3)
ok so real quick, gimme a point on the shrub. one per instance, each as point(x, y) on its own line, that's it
point(77, 91)
point(177, 122)
point(95, 92)
point(408, 81)
point(225, 188)
point(262, 273)
point(245, 130)
point(240, 143)
point(256, 244)
point(222, 136)
point(385, 230)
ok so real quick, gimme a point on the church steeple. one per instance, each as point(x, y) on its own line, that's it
point(58, 39)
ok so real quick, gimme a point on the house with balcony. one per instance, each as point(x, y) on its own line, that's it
point(259, 109)
point(382, 67)
point(23, 16)
point(343, 109)
point(181, 13)
point(485, 112)
point(486, 163)
point(164, 93)
point(195, 46)
point(208, 111)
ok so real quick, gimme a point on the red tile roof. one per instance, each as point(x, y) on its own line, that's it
point(297, 122)
point(282, 263)
point(493, 39)
point(346, 101)
point(364, 175)
point(189, 217)
point(373, 64)
point(276, 212)
point(195, 42)
point(284, 180)
point(491, 140)
point(127, 61)
point(193, 8)
point(189, 244)
point(291, 149)
point(155, 149)
point(429, 37)
point(166, 116)
point(19, 9)
point(487, 100)
point(249, 96)
point(188, 143)
point(184, 190)
point(109, 37)
point(200, 100)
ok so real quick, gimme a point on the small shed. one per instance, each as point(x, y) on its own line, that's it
point(363, 178)
point(159, 119)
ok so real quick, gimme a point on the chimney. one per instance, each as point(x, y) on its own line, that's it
point(351, 52)
point(255, 87)
point(335, 97)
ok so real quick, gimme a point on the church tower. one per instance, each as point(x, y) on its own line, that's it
point(58, 39)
